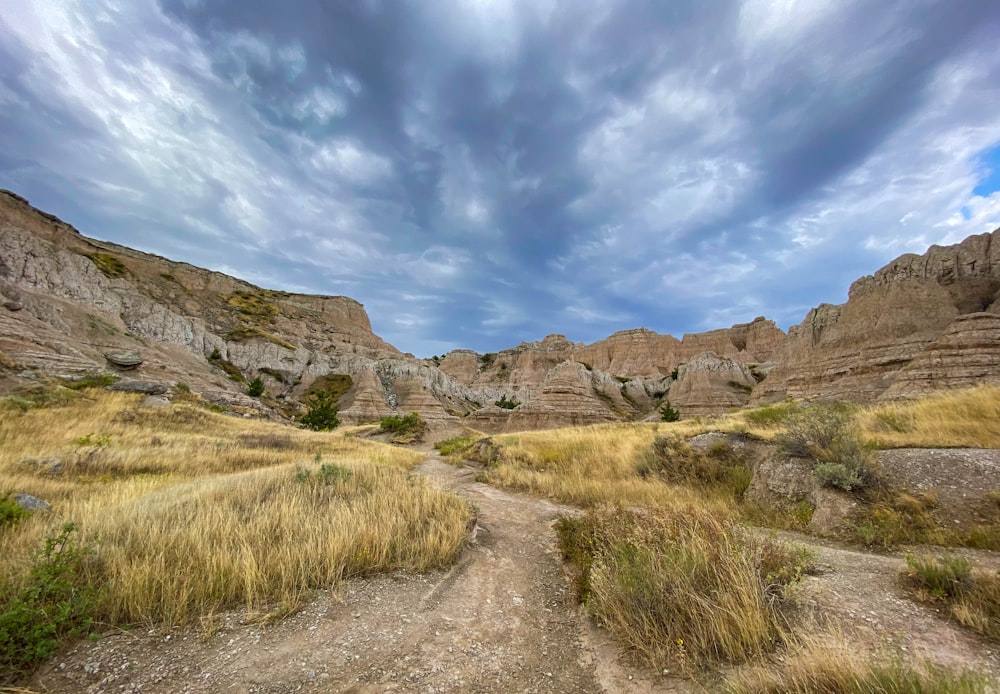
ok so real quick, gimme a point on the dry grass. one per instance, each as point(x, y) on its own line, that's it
point(192, 511)
point(963, 418)
point(836, 665)
point(682, 588)
point(972, 597)
point(588, 466)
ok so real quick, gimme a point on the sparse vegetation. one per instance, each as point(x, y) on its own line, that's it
point(334, 385)
point(216, 355)
point(828, 435)
point(255, 388)
point(109, 265)
point(835, 665)
point(10, 511)
point(406, 429)
point(718, 467)
point(98, 380)
point(971, 597)
point(486, 360)
point(668, 413)
point(273, 373)
point(683, 589)
point(454, 447)
point(943, 420)
point(53, 603)
point(506, 403)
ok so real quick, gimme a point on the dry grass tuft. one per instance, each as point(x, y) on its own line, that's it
point(836, 665)
point(683, 588)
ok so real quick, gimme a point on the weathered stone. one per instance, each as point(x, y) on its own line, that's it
point(48, 466)
point(13, 305)
point(125, 359)
point(710, 384)
point(131, 385)
point(31, 503)
point(155, 402)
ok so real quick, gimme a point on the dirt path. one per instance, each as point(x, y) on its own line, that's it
point(502, 619)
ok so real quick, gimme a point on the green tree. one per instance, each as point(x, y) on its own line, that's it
point(255, 388)
point(322, 414)
point(668, 413)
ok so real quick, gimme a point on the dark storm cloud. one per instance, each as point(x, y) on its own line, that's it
point(481, 173)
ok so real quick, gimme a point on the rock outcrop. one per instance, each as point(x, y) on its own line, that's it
point(710, 384)
point(916, 314)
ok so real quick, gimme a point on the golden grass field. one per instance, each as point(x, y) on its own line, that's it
point(190, 511)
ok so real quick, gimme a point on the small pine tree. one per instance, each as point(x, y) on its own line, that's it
point(322, 414)
point(668, 413)
point(255, 388)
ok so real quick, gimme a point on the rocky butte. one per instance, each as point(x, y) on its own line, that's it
point(74, 307)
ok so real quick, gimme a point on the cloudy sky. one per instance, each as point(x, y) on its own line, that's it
point(482, 172)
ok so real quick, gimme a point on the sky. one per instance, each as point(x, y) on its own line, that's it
point(484, 172)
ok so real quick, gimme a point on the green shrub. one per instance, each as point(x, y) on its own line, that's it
point(182, 387)
point(454, 446)
point(256, 387)
point(322, 413)
point(829, 435)
point(506, 403)
point(54, 604)
point(10, 511)
point(771, 415)
point(109, 265)
point(216, 355)
point(668, 413)
point(406, 429)
point(943, 577)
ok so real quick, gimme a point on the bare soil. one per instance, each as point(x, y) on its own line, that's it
point(503, 619)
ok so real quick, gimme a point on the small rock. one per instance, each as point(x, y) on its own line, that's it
point(31, 503)
point(155, 401)
point(13, 305)
point(50, 467)
point(130, 385)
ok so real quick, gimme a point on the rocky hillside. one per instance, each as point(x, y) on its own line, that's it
point(921, 323)
point(75, 307)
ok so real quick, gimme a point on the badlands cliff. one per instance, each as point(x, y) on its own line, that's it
point(75, 307)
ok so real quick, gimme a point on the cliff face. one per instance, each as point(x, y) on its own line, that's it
point(73, 306)
point(922, 322)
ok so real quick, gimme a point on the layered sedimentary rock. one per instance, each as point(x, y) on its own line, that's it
point(710, 384)
point(646, 353)
point(858, 350)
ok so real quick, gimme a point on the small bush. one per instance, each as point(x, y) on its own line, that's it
point(506, 403)
point(322, 414)
point(455, 446)
point(216, 355)
point(182, 387)
point(973, 598)
point(943, 577)
point(54, 604)
point(771, 415)
point(828, 434)
point(10, 511)
point(720, 467)
point(668, 413)
point(109, 265)
point(256, 387)
point(406, 429)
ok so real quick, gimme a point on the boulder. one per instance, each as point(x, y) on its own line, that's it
point(31, 503)
point(124, 359)
point(131, 385)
